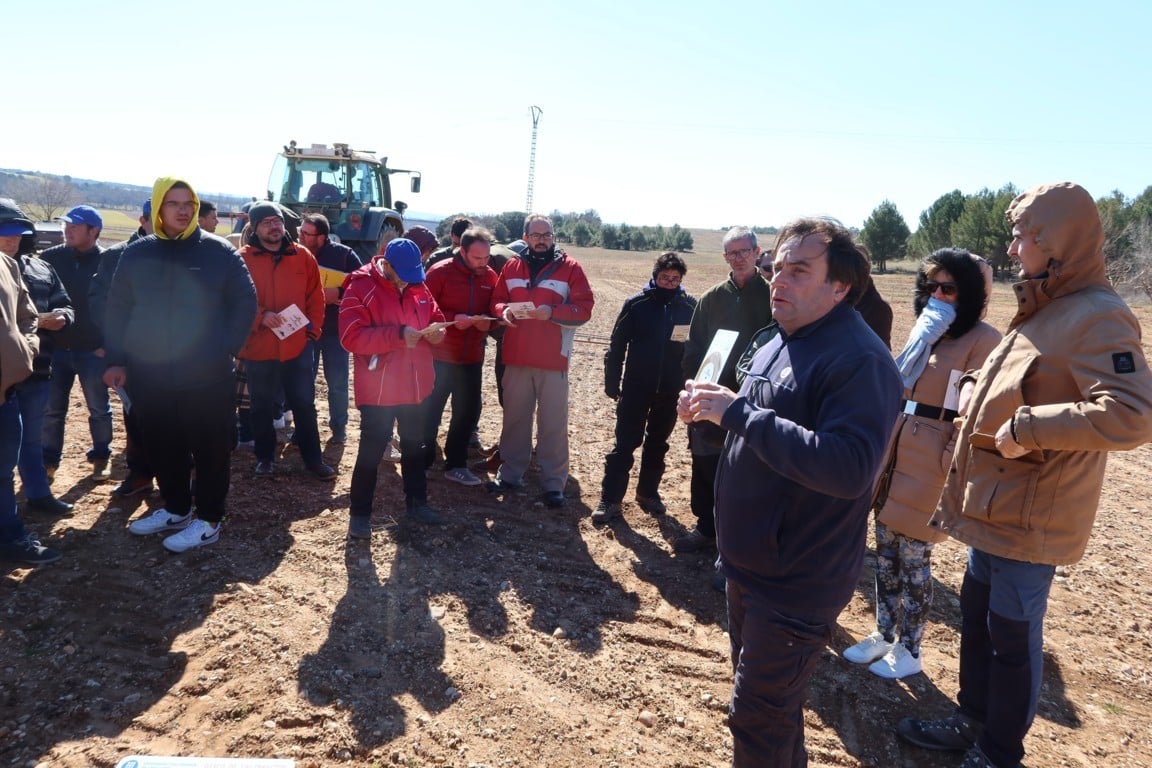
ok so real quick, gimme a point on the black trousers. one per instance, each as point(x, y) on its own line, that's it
point(375, 433)
point(197, 422)
point(641, 419)
point(463, 383)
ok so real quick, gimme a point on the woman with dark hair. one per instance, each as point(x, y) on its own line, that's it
point(948, 338)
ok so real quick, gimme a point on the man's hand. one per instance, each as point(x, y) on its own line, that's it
point(271, 319)
point(684, 402)
point(331, 295)
point(508, 317)
point(1006, 443)
point(115, 376)
point(463, 322)
point(411, 337)
point(709, 402)
point(436, 336)
point(542, 312)
point(52, 320)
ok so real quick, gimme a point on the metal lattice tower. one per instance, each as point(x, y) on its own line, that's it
point(536, 112)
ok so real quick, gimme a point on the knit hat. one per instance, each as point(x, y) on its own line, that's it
point(423, 237)
point(404, 256)
point(263, 210)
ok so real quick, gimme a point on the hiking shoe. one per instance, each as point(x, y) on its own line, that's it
point(50, 470)
point(500, 486)
point(159, 521)
point(339, 436)
point(264, 469)
point(420, 512)
point(693, 541)
point(50, 505)
point(321, 470)
point(200, 533)
point(868, 650)
point(955, 733)
point(359, 527)
point(605, 513)
point(897, 663)
point(133, 485)
point(461, 475)
point(552, 499)
point(392, 454)
point(27, 550)
point(653, 505)
point(975, 758)
point(100, 470)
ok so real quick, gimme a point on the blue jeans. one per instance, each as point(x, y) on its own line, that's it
point(11, 528)
point(266, 379)
point(67, 366)
point(32, 395)
point(336, 376)
point(1002, 608)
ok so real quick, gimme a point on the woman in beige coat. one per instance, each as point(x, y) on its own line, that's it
point(948, 339)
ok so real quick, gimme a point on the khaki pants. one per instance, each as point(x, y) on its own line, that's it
point(541, 393)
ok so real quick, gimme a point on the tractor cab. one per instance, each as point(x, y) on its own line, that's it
point(351, 188)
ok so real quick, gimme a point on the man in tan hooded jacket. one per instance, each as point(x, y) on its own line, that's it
point(1066, 385)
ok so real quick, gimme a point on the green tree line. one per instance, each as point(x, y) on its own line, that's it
point(581, 229)
point(977, 222)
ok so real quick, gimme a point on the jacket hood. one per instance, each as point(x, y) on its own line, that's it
point(159, 189)
point(1065, 221)
point(970, 287)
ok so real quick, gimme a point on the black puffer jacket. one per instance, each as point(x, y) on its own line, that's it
point(76, 271)
point(641, 346)
point(48, 293)
point(178, 311)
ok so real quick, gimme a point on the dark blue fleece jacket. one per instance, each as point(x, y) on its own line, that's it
point(806, 439)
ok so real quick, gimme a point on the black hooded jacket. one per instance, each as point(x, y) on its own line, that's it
point(641, 347)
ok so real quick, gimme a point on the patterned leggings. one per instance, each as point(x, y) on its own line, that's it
point(903, 586)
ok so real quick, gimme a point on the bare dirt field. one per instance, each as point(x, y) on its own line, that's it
point(512, 635)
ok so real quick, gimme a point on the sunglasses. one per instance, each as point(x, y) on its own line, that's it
point(948, 289)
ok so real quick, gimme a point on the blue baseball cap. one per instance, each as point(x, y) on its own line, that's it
point(14, 229)
point(405, 257)
point(83, 214)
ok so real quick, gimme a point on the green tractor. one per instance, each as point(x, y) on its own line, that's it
point(351, 187)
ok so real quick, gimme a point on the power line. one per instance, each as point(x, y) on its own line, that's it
point(536, 112)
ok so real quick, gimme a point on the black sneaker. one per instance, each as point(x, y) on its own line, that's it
point(500, 486)
point(605, 513)
point(693, 541)
point(321, 470)
point(27, 550)
point(552, 499)
point(420, 512)
point(359, 527)
point(264, 469)
point(50, 505)
point(653, 505)
point(955, 733)
point(975, 758)
point(133, 485)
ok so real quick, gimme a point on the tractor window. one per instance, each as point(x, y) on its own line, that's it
point(366, 185)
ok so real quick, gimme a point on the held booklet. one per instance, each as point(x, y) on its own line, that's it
point(716, 356)
point(294, 320)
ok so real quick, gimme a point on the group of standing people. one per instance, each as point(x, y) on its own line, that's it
point(802, 433)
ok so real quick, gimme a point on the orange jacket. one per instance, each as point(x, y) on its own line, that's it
point(282, 279)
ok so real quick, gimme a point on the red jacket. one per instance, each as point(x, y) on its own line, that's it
point(373, 315)
point(283, 279)
point(460, 291)
point(562, 285)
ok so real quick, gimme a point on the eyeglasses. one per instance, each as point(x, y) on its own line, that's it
point(743, 253)
point(948, 289)
point(539, 235)
point(669, 278)
point(310, 234)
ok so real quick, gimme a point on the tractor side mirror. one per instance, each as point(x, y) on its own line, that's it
point(415, 185)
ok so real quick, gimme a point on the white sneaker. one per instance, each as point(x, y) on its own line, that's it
point(198, 534)
point(461, 475)
point(897, 663)
point(392, 454)
point(159, 521)
point(868, 650)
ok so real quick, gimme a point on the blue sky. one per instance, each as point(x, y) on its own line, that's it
point(705, 115)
